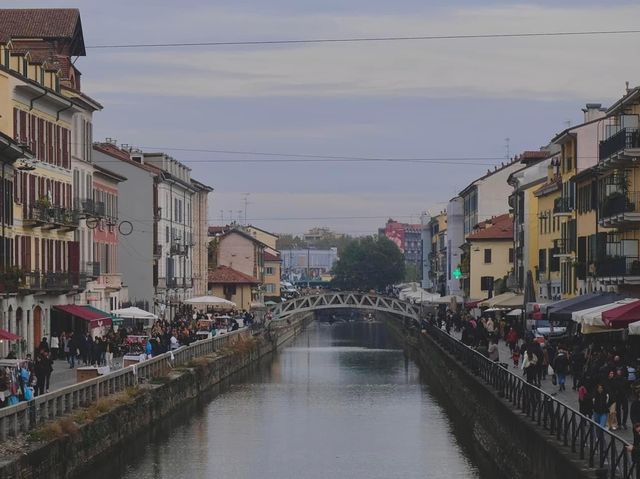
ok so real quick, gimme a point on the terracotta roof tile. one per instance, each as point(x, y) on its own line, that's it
point(38, 22)
point(500, 227)
point(226, 275)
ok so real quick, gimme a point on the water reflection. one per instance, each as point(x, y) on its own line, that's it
point(342, 401)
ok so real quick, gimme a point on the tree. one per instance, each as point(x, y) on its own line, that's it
point(369, 263)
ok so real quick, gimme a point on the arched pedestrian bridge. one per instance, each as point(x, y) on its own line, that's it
point(346, 299)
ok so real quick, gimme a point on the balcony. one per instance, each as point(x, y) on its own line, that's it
point(620, 147)
point(110, 281)
point(178, 249)
point(618, 269)
point(176, 283)
point(562, 207)
point(36, 281)
point(92, 269)
point(562, 248)
point(620, 210)
point(53, 217)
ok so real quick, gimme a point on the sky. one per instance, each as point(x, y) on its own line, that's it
point(444, 99)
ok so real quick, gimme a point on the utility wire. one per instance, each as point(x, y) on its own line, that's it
point(366, 39)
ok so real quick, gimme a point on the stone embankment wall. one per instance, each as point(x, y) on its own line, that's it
point(517, 446)
point(73, 453)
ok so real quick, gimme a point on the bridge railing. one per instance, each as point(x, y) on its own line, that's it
point(26, 416)
point(593, 443)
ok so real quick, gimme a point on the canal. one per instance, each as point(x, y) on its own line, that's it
point(341, 401)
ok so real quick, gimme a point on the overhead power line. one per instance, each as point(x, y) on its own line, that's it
point(365, 39)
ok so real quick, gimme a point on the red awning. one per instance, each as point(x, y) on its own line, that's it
point(95, 317)
point(621, 316)
point(9, 336)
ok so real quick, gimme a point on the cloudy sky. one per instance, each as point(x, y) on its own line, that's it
point(443, 99)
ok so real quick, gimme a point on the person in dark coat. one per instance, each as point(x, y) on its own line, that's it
point(600, 402)
point(561, 367)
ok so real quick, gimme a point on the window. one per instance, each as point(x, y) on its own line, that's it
point(510, 255)
point(542, 260)
point(487, 255)
point(270, 288)
point(167, 234)
point(486, 283)
point(269, 270)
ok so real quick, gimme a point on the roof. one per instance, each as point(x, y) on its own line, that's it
point(47, 23)
point(243, 234)
point(264, 231)
point(271, 257)
point(630, 96)
point(500, 227)
point(217, 230)
point(549, 187)
point(201, 186)
point(111, 174)
point(227, 275)
point(122, 155)
point(489, 173)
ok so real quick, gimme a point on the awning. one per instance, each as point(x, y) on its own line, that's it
point(474, 303)
point(9, 336)
point(622, 315)
point(516, 312)
point(593, 316)
point(505, 300)
point(562, 310)
point(93, 316)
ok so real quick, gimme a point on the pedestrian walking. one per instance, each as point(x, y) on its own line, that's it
point(600, 403)
point(561, 367)
point(54, 344)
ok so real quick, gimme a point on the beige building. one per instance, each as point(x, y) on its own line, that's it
point(199, 229)
point(263, 236)
point(491, 255)
point(242, 289)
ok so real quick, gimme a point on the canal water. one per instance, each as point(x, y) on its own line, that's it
point(341, 401)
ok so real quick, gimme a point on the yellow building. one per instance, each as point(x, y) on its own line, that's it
point(226, 282)
point(616, 259)
point(546, 266)
point(272, 275)
point(490, 248)
point(34, 72)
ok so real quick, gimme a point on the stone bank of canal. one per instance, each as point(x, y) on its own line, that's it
point(340, 401)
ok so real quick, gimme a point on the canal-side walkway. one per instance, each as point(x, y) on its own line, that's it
point(568, 397)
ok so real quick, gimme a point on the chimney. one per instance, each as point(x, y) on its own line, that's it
point(593, 111)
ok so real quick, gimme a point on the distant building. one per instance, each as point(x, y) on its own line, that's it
point(319, 234)
point(408, 238)
point(307, 264)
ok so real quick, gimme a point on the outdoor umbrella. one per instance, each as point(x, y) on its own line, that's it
point(133, 313)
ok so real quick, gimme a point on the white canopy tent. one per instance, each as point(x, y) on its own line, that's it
point(593, 316)
point(214, 301)
point(634, 328)
point(448, 299)
point(133, 313)
point(134, 316)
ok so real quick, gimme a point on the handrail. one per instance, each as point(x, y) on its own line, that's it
point(25, 416)
point(599, 447)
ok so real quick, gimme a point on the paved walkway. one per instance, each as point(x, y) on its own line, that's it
point(64, 376)
point(568, 397)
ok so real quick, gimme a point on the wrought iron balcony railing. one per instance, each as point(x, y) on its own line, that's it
point(618, 266)
point(624, 139)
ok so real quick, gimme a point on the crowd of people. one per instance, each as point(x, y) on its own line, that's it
point(604, 374)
